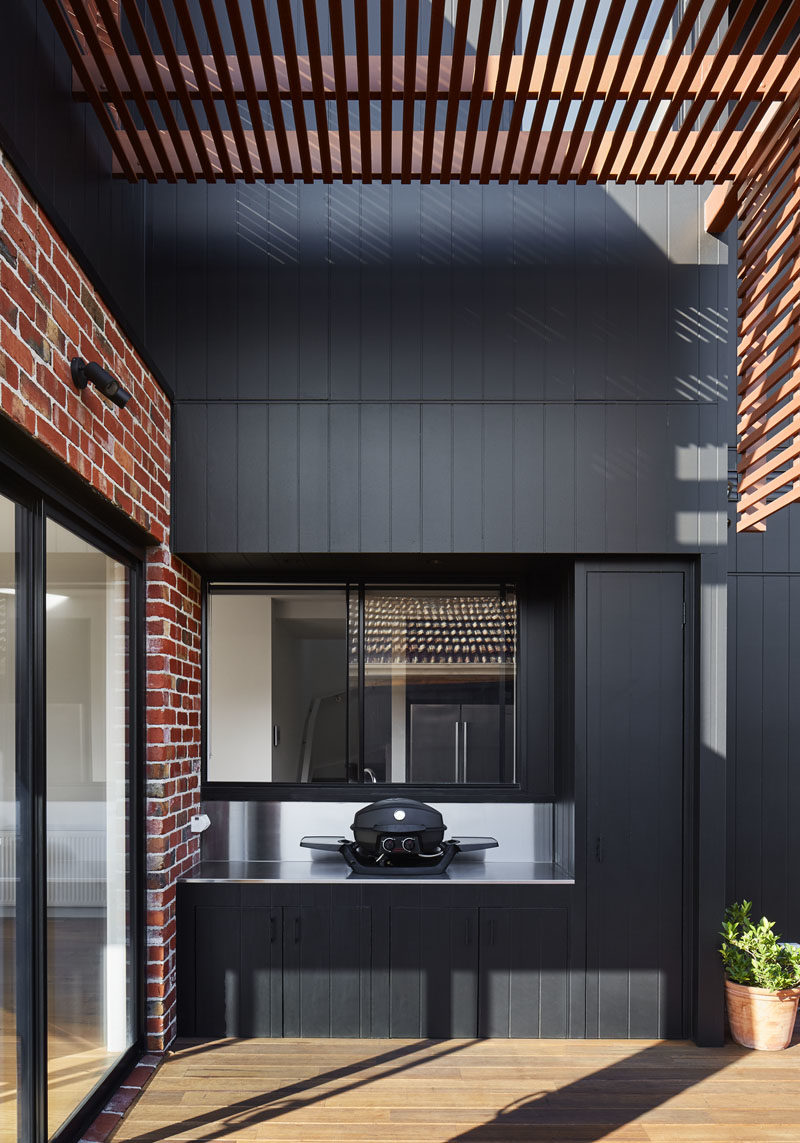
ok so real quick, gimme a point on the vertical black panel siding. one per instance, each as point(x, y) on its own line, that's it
point(343, 477)
point(764, 728)
point(405, 478)
point(252, 474)
point(447, 476)
point(61, 151)
point(375, 478)
point(312, 470)
point(508, 368)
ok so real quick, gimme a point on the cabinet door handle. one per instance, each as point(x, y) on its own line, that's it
point(297, 930)
point(273, 929)
point(598, 849)
point(464, 772)
point(455, 775)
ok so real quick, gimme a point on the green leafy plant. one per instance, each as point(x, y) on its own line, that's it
point(753, 954)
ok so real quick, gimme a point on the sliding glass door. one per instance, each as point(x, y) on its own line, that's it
point(70, 920)
point(89, 1022)
point(9, 824)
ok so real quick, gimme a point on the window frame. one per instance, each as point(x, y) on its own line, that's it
point(534, 782)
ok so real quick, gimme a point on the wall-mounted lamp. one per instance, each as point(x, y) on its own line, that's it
point(83, 373)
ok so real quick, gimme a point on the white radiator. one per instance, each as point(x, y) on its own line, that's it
point(76, 868)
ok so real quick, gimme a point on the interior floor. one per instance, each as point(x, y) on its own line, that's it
point(77, 1056)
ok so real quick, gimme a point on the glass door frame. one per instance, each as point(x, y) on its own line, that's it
point(35, 505)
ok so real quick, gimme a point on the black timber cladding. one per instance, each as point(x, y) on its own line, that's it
point(398, 368)
point(289, 960)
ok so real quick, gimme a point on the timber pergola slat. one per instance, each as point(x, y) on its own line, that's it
point(597, 72)
point(664, 92)
point(472, 90)
point(310, 139)
point(768, 388)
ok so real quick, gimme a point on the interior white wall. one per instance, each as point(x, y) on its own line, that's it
point(240, 688)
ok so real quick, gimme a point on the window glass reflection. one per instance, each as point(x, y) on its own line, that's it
point(439, 669)
point(278, 686)
point(9, 835)
point(88, 945)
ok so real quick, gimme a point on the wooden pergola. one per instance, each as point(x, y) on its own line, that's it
point(700, 91)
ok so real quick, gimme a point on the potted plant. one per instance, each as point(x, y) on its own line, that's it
point(762, 980)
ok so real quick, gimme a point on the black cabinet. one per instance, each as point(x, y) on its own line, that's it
point(384, 969)
point(326, 959)
point(261, 995)
point(523, 973)
point(466, 972)
point(217, 969)
point(270, 970)
point(432, 972)
point(636, 699)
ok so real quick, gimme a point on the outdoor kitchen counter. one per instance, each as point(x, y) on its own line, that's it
point(334, 871)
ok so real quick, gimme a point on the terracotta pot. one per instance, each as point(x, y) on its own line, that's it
point(760, 1018)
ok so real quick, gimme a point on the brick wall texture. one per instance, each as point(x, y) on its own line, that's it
point(50, 313)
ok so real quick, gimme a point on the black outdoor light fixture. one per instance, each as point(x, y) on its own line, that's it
point(83, 372)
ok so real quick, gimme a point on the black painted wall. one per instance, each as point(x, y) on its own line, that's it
point(378, 369)
point(764, 720)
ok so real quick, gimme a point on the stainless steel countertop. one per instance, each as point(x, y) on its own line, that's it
point(334, 871)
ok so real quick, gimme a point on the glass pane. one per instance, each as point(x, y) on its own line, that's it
point(278, 686)
point(89, 955)
point(8, 825)
point(439, 685)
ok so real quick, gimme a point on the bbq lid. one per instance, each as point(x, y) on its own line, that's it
point(392, 815)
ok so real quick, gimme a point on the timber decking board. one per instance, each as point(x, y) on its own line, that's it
point(468, 1091)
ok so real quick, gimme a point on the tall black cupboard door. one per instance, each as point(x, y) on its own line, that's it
point(635, 772)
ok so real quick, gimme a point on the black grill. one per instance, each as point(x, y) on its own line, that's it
point(398, 837)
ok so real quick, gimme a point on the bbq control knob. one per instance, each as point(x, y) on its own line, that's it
point(410, 844)
point(388, 844)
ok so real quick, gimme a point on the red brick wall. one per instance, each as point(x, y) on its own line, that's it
point(173, 769)
point(49, 313)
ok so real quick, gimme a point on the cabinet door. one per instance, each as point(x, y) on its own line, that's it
point(261, 990)
point(433, 972)
point(523, 972)
point(326, 960)
point(217, 954)
point(634, 758)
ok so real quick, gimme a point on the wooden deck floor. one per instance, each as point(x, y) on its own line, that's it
point(465, 1091)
